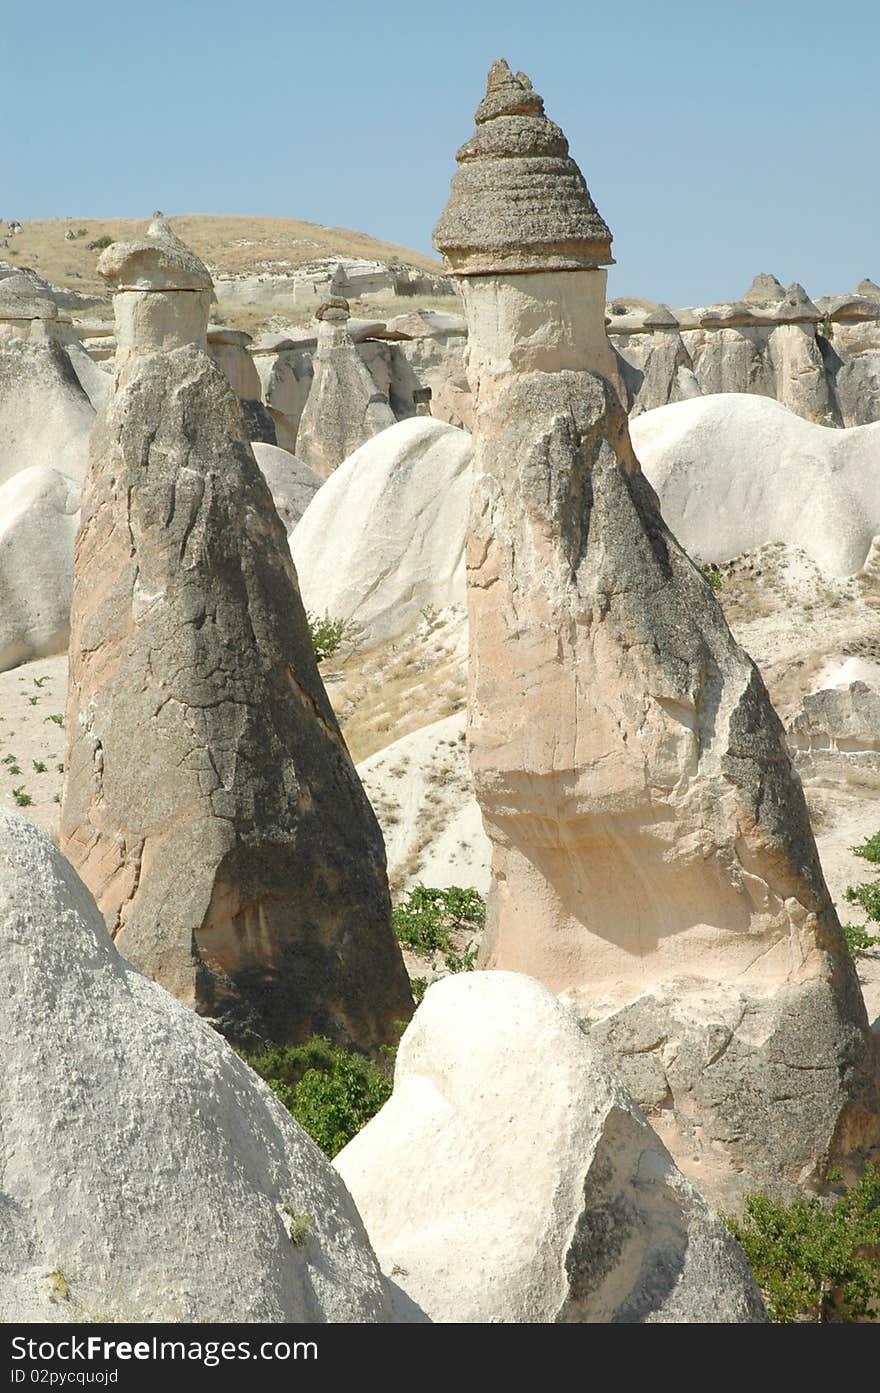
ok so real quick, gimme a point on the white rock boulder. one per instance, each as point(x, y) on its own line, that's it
point(39, 515)
point(146, 1174)
point(46, 417)
point(511, 1178)
point(292, 484)
point(384, 537)
point(734, 471)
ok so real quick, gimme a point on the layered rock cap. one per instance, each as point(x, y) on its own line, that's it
point(518, 201)
point(156, 261)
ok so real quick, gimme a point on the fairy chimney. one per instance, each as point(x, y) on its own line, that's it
point(344, 407)
point(211, 805)
point(652, 856)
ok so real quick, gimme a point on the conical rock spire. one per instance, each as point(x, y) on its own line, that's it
point(518, 201)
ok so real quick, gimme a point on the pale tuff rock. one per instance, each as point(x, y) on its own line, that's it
point(157, 261)
point(45, 415)
point(645, 821)
point(384, 537)
point(146, 1173)
point(511, 1178)
point(162, 294)
point(836, 735)
point(211, 804)
point(38, 521)
point(292, 484)
point(518, 201)
point(22, 301)
point(344, 406)
point(765, 289)
point(707, 459)
point(421, 789)
point(228, 348)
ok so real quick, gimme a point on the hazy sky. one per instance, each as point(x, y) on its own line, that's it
point(717, 140)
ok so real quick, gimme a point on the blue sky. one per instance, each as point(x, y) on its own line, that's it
point(718, 140)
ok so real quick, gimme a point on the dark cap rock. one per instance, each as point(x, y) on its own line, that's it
point(518, 201)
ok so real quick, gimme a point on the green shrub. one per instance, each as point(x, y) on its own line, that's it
point(100, 243)
point(330, 1091)
point(426, 920)
point(860, 939)
point(328, 635)
point(816, 1259)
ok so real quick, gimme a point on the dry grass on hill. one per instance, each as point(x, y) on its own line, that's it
point(239, 244)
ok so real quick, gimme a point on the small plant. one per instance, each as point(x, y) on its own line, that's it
point(328, 635)
point(22, 798)
point(330, 1091)
point(39, 766)
point(60, 768)
point(298, 1225)
point(8, 759)
point(100, 243)
point(710, 572)
point(426, 920)
point(860, 939)
point(33, 700)
point(418, 985)
point(13, 769)
point(56, 718)
point(816, 1259)
point(40, 681)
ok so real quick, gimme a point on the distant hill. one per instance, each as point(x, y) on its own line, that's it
point(227, 244)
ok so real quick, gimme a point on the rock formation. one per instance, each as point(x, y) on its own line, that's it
point(384, 538)
point(45, 416)
point(707, 460)
point(822, 359)
point(146, 1173)
point(544, 1197)
point(291, 483)
point(228, 349)
point(344, 406)
point(652, 851)
point(38, 521)
point(211, 805)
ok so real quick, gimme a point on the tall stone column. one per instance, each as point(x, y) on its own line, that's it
point(211, 804)
point(652, 852)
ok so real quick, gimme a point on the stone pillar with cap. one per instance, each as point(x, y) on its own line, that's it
point(652, 856)
point(162, 294)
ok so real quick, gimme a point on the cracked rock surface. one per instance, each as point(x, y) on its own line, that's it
point(211, 804)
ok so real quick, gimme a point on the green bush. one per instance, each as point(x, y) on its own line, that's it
point(328, 635)
point(330, 1091)
point(426, 920)
point(100, 243)
point(816, 1259)
point(860, 939)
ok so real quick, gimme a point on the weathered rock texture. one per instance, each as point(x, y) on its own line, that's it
point(38, 521)
point(511, 1178)
point(228, 349)
point(384, 538)
point(45, 415)
point(835, 735)
point(211, 804)
point(821, 360)
point(146, 1174)
point(344, 406)
point(292, 484)
point(708, 461)
point(646, 824)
